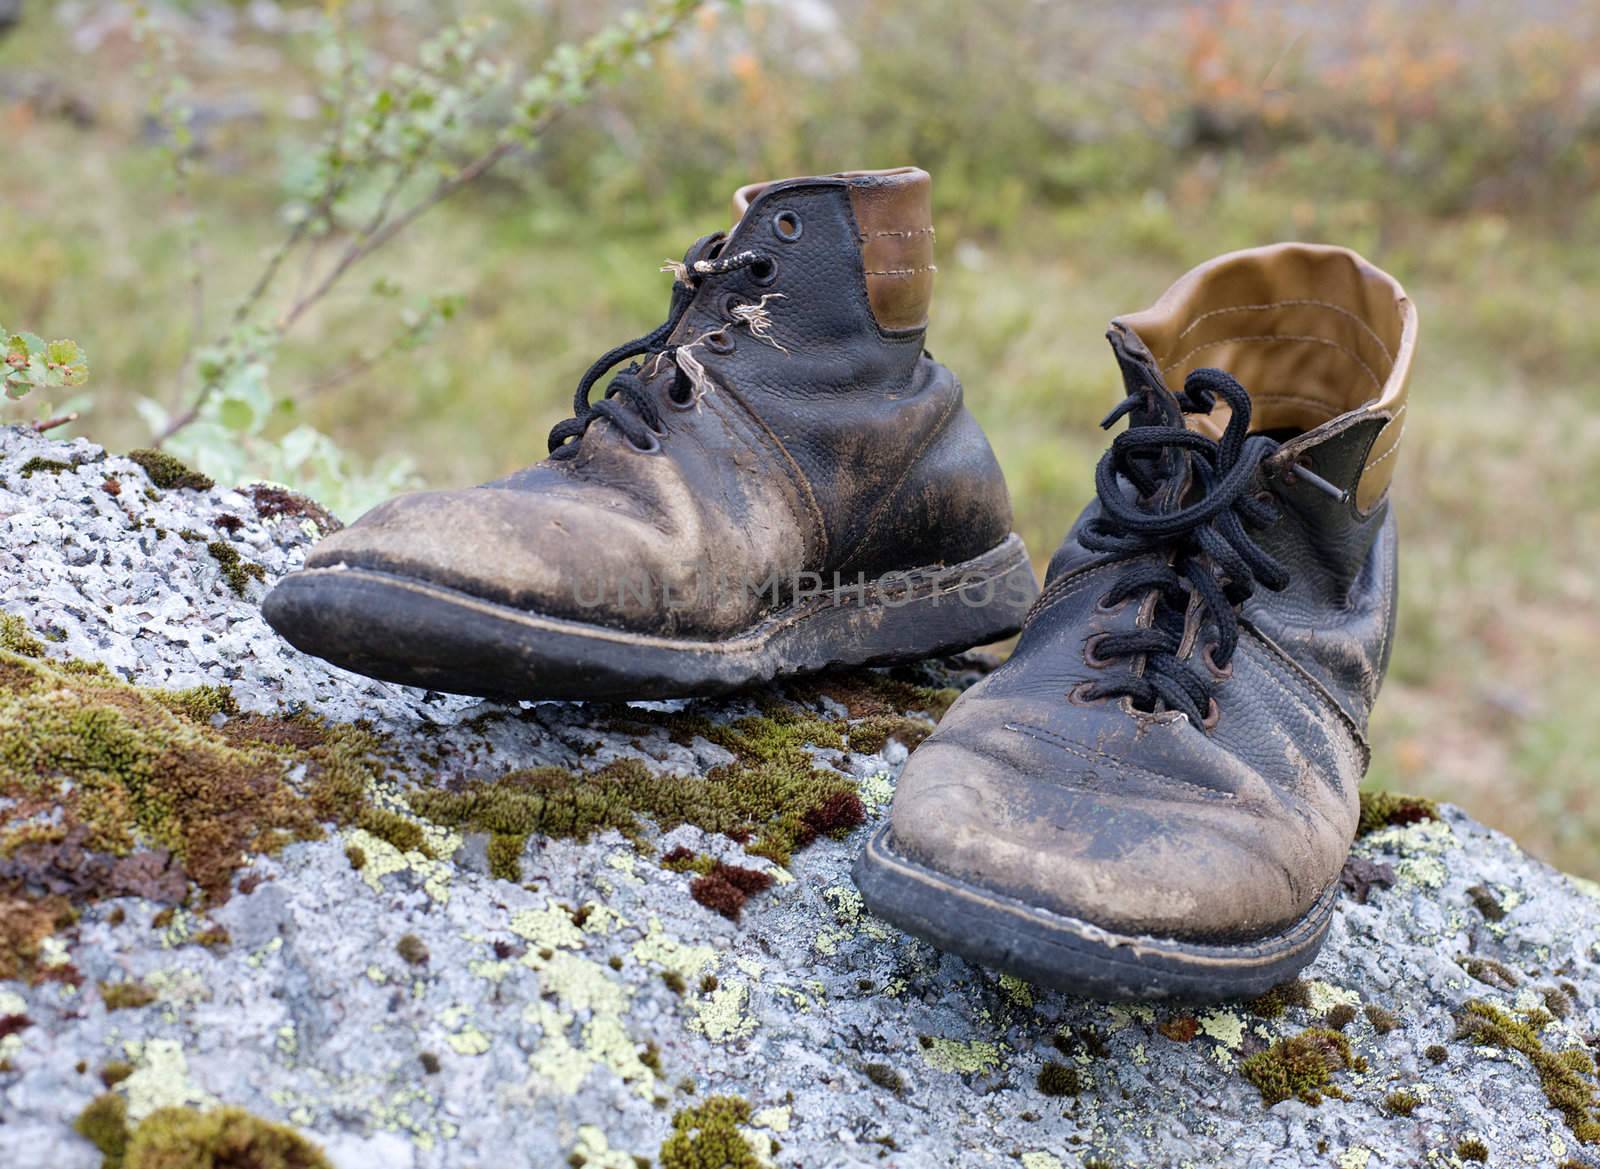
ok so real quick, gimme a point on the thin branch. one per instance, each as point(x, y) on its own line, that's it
point(51, 423)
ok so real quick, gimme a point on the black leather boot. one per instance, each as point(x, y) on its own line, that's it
point(781, 480)
point(1155, 795)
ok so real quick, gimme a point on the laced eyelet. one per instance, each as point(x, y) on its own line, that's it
point(730, 302)
point(763, 271)
point(1213, 716)
point(719, 342)
point(1220, 673)
point(651, 448)
point(1078, 695)
point(1091, 655)
point(1105, 605)
point(680, 385)
point(786, 225)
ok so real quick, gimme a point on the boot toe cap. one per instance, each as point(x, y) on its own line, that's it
point(1051, 830)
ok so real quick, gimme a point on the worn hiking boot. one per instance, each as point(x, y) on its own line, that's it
point(1154, 797)
point(781, 480)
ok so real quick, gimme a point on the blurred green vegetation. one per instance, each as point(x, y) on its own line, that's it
point(1083, 157)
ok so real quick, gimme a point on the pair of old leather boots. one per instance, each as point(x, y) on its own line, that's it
point(1154, 796)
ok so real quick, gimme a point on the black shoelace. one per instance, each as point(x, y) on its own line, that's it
point(628, 403)
point(1202, 544)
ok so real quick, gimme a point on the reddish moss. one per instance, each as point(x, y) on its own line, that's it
point(1180, 1029)
point(726, 888)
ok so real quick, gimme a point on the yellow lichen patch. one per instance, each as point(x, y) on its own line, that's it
point(161, 1080)
point(688, 962)
point(594, 1151)
point(1040, 1160)
point(720, 1016)
point(579, 986)
point(1227, 1029)
point(876, 792)
point(777, 1119)
point(960, 1057)
point(1322, 997)
point(384, 859)
point(549, 928)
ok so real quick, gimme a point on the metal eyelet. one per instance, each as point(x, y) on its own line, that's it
point(1213, 716)
point(1101, 606)
point(1078, 695)
point(684, 403)
point(652, 448)
point(1220, 673)
point(730, 302)
point(1092, 657)
point(763, 271)
point(719, 342)
point(786, 225)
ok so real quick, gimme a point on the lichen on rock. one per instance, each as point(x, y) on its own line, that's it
point(452, 933)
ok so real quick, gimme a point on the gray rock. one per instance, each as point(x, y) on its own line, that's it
point(818, 1012)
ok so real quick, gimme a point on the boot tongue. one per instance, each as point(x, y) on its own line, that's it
point(1141, 376)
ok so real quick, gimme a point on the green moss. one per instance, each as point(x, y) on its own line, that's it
point(49, 466)
point(430, 1063)
point(873, 733)
point(1402, 1103)
point(1487, 903)
point(1386, 809)
point(222, 1138)
point(236, 570)
point(1472, 1149)
point(772, 797)
point(405, 834)
point(1383, 1020)
point(168, 472)
point(1558, 1002)
point(1301, 1067)
point(113, 1072)
point(651, 1057)
point(1489, 972)
point(674, 981)
point(413, 949)
point(1565, 1076)
point(1339, 1016)
point(356, 855)
point(213, 937)
point(1436, 1052)
point(16, 637)
point(885, 1077)
point(707, 1136)
point(104, 1124)
point(505, 855)
point(201, 703)
point(1280, 998)
point(1057, 1079)
point(125, 996)
point(127, 770)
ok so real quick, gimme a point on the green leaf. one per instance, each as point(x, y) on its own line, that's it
point(235, 414)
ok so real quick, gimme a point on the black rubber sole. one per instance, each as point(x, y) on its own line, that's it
point(1051, 949)
point(403, 630)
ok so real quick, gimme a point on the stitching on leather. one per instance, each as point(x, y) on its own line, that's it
point(1350, 353)
point(1074, 582)
point(911, 464)
point(1395, 446)
point(1300, 674)
point(1305, 301)
point(902, 271)
point(1300, 399)
point(1092, 755)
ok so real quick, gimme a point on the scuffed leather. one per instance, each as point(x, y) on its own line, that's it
point(1144, 823)
point(848, 449)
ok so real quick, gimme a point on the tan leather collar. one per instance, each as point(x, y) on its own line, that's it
point(1315, 333)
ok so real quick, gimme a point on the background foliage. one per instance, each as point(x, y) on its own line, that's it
point(1084, 156)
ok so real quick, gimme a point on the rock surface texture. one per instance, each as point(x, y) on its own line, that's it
point(425, 982)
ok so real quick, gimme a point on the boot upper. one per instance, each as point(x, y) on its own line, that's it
point(1070, 778)
point(788, 422)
